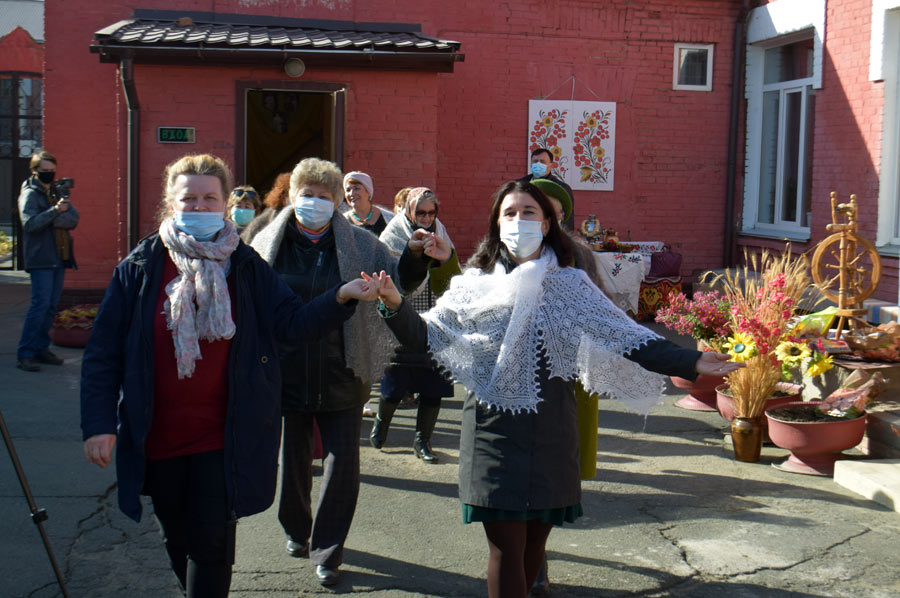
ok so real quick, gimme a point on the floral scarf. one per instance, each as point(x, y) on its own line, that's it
point(198, 304)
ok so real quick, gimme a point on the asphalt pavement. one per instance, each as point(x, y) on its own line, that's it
point(670, 513)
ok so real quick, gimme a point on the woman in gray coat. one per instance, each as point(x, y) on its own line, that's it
point(327, 380)
point(516, 330)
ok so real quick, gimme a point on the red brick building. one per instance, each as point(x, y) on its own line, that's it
point(437, 94)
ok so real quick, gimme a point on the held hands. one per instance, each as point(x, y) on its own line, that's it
point(430, 244)
point(98, 449)
point(62, 205)
point(385, 289)
point(716, 364)
point(361, 289)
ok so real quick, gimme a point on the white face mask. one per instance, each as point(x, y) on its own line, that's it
point(313, 212)
point(521, 237)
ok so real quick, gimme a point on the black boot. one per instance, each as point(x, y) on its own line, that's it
point(426, 418)
point(382, 423)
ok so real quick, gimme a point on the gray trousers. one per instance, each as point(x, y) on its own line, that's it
point(340, 481)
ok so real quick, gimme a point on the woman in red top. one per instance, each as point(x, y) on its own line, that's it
point(187, 332)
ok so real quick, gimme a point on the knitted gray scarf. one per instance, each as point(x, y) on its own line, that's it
point(368, 344)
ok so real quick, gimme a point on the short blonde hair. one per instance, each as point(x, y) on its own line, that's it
point(400, 199)
point(314, 171)
point(196, 164)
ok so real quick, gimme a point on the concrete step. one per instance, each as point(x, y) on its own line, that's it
point(877, 479)
point(882, 439)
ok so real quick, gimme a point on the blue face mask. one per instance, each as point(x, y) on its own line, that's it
point(203, 226)
point(242, 216)
point(538, 169)
point(313, 212)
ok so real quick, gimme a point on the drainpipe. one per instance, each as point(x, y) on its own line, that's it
point(126, 72)
point(737, 85)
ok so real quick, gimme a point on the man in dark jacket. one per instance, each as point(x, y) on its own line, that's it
point(47, 217)
point(541, 168)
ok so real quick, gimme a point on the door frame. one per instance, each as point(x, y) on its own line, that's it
point(336, 90)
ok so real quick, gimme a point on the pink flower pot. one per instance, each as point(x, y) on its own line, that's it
point(69, 337)
point(814, 446)
point(725, 403)
point(701, 392)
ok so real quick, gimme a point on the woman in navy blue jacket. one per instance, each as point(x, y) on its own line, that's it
point(181, 371)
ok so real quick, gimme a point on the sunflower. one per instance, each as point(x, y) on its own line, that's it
point(741, 347)
point(792, 353)
point(819, 366)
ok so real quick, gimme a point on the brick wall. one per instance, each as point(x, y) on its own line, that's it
point(463, 133)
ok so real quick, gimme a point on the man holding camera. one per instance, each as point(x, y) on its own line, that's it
point(47, 217)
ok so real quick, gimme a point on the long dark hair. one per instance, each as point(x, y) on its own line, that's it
point(488, 251)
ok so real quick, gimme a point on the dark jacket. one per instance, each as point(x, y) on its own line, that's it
point(41, 222)
point(119, 357)
point(318, 377)
point(529, 460)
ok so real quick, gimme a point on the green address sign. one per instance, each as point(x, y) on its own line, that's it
point(175, 135)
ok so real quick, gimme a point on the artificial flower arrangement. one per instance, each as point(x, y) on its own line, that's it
point(705, 317)
point(764, 297)
point(78, 316)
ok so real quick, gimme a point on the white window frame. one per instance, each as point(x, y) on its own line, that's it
point(884, 65)
point(775, 24)
point(676, 67)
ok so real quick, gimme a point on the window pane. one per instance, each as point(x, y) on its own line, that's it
point(29, 136)
point(692, 66)
point(6, 139)
point(30, 96)
point(790, 173)
point(768, 163)
point(6, 91)
point(789, 62)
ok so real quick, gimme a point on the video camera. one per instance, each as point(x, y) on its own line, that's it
point(61, 187)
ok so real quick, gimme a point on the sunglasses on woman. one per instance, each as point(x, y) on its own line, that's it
point(242, 192)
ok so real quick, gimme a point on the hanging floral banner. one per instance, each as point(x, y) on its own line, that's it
point(580, 135)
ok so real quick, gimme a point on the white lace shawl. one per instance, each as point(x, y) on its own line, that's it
point(488, 331)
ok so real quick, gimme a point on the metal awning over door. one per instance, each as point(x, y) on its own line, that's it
point(163, 37)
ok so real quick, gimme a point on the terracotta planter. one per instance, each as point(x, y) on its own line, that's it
point(725, 403)
point(814, 446)
point(69, 337)
point(701, 392)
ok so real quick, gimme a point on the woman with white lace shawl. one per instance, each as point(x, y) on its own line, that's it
point(517, 329)
point(411, 371)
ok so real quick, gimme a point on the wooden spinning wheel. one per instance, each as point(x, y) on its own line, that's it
point(845, 266)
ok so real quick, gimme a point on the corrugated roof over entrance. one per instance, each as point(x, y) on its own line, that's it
point(161, 37)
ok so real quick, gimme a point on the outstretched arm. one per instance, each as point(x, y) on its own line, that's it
point(407, 326)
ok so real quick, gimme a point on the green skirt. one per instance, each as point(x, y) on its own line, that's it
point(558, 516)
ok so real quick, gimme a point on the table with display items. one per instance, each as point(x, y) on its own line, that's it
point(625, 276)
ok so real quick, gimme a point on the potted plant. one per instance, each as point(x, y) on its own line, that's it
point(72, 326)
point(817, 431)
point(764, 296)
point(704, 317)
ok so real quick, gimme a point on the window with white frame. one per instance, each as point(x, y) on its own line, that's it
point(784, 68)
point(785, 151)
point(885, 66)
point(692, 67)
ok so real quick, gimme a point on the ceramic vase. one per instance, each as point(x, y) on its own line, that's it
point(747, 437)
point(701, 392)
point(814, 446)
